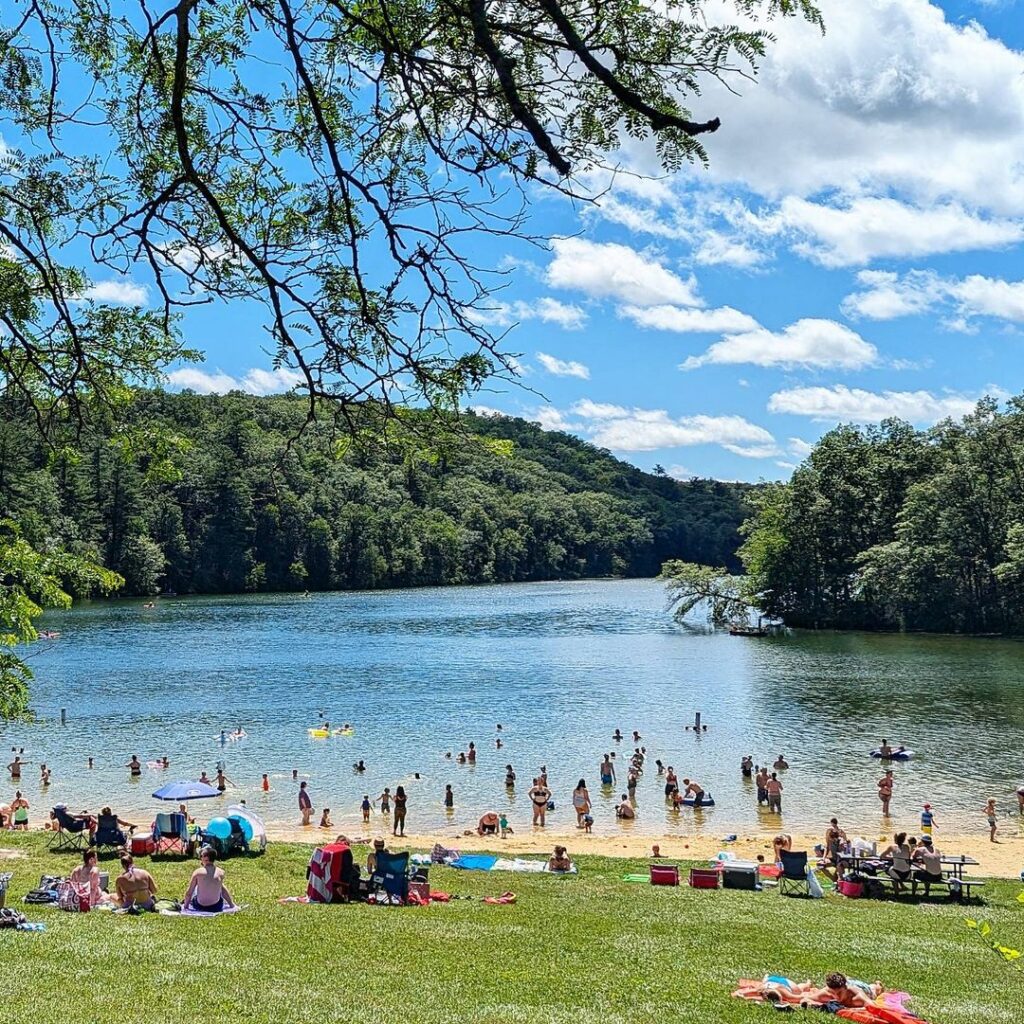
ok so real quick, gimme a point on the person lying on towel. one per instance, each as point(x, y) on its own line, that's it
point(207, 892)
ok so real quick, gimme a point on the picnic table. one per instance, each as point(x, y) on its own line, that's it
point(952, 868)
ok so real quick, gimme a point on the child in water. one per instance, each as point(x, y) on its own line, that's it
point(365, 807)
point(449, 798)
point(385, 800)
point(265, 783)
point(325, 819)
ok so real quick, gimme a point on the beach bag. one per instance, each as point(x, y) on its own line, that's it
point(72, 899)
point(11, 918)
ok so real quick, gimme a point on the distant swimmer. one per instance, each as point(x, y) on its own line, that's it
point(44, 775)
point(265, 783)
point(149, 604)
point(499, 727)
point(134, 766)
point(497, 744)
point(510, 778)
point(472, 753)
point(205, 779)
point(359, 766)
point(461, 758)
point(636, 736)
point(222, 781)
point(617, 736)
point(747, 766)
point(780, 762)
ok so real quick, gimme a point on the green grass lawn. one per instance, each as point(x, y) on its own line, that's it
point(580, 949)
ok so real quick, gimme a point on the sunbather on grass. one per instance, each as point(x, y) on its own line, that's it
point(206, 889)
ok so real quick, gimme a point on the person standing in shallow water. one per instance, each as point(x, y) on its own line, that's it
point(398, 821)
point(885, 787)
point(540, 796)
point(607, 771)
point(305, 803)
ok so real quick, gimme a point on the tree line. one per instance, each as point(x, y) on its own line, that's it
point(888, 527)
point(240, 494)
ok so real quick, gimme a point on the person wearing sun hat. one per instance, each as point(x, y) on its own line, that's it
point(927, 820)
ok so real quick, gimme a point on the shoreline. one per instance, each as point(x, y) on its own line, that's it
point(1004, 859)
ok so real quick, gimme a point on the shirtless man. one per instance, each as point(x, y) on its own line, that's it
point(695, 790)
point(607, 771)
point(762, 785)
point(15, 768)
point(206, 889)
point(838, 989)
point(885, 786)
point(540, 796)
point(625, 809)
point(774, 790)
point(780, 763)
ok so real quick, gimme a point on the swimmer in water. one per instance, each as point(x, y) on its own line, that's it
point(471, 757)
point(497, 744)
point(616, 735)
point(695, 790)
point(780, 762)
point(636, 736)
point(385, 800)
point(461, 758)
point(365, 807)
point(359, 766)
point(510, 777)
point(205, 779)
point(166, 761)
point(90, 762)
point(499, 727)
point(747, 766)
point(44, 775)
point(134, 766)
point(295, 775)
point(222, 781)
point(265, 783)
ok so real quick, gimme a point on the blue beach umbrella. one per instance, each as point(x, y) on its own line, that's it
point(181, 791)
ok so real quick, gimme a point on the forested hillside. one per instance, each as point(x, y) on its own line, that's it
point(223, 498)
point(893, 528)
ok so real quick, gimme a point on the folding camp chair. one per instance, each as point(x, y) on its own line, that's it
point(170, 831)
point(72, 833)
point(794, 873)
point(389, 882)
point(109, 835)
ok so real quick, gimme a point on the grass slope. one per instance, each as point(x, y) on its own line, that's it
point(584, 949)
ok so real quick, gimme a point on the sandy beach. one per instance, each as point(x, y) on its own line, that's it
point(1004, 859)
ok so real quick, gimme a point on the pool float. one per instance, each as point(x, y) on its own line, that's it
point(320, 734)
point(896, 755)
point(343, 732)
point(706, 801)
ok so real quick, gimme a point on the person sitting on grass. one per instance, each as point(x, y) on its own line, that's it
point(135, 887)
point(207, 892)
point(560, 860)
point(371, 857)
point(86, 880)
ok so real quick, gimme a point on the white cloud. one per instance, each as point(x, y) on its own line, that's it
point(678, 472)
point(753, 451)
point(888, 295)
point(563, 368)
point(896, 134)
point(255, 381)
point(865, 229)
point(689, 321)
point(609, 270)
point(807, 343)
point(798, 446)
point(546, 309)
point(639, 430)
point(840, 403)
point(123, 292)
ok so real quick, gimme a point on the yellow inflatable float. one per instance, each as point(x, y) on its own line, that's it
point(320, 734)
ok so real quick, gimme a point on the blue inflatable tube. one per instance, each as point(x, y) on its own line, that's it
point(896, 755)
point(706, 801)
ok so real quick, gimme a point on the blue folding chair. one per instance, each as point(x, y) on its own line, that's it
point(389, 882)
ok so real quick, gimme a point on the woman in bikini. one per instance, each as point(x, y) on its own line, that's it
point(540, 796)
point(900, 854)
point(398, 822)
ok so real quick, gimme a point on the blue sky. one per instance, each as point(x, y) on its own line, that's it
point(854, 251)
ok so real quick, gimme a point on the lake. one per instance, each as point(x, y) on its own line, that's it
point(559, 665)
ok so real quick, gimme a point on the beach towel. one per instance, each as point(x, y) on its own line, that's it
point(503, 900)
point(880, 1015)
point(189, 912)
point(475, 862)
point(529, 867)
